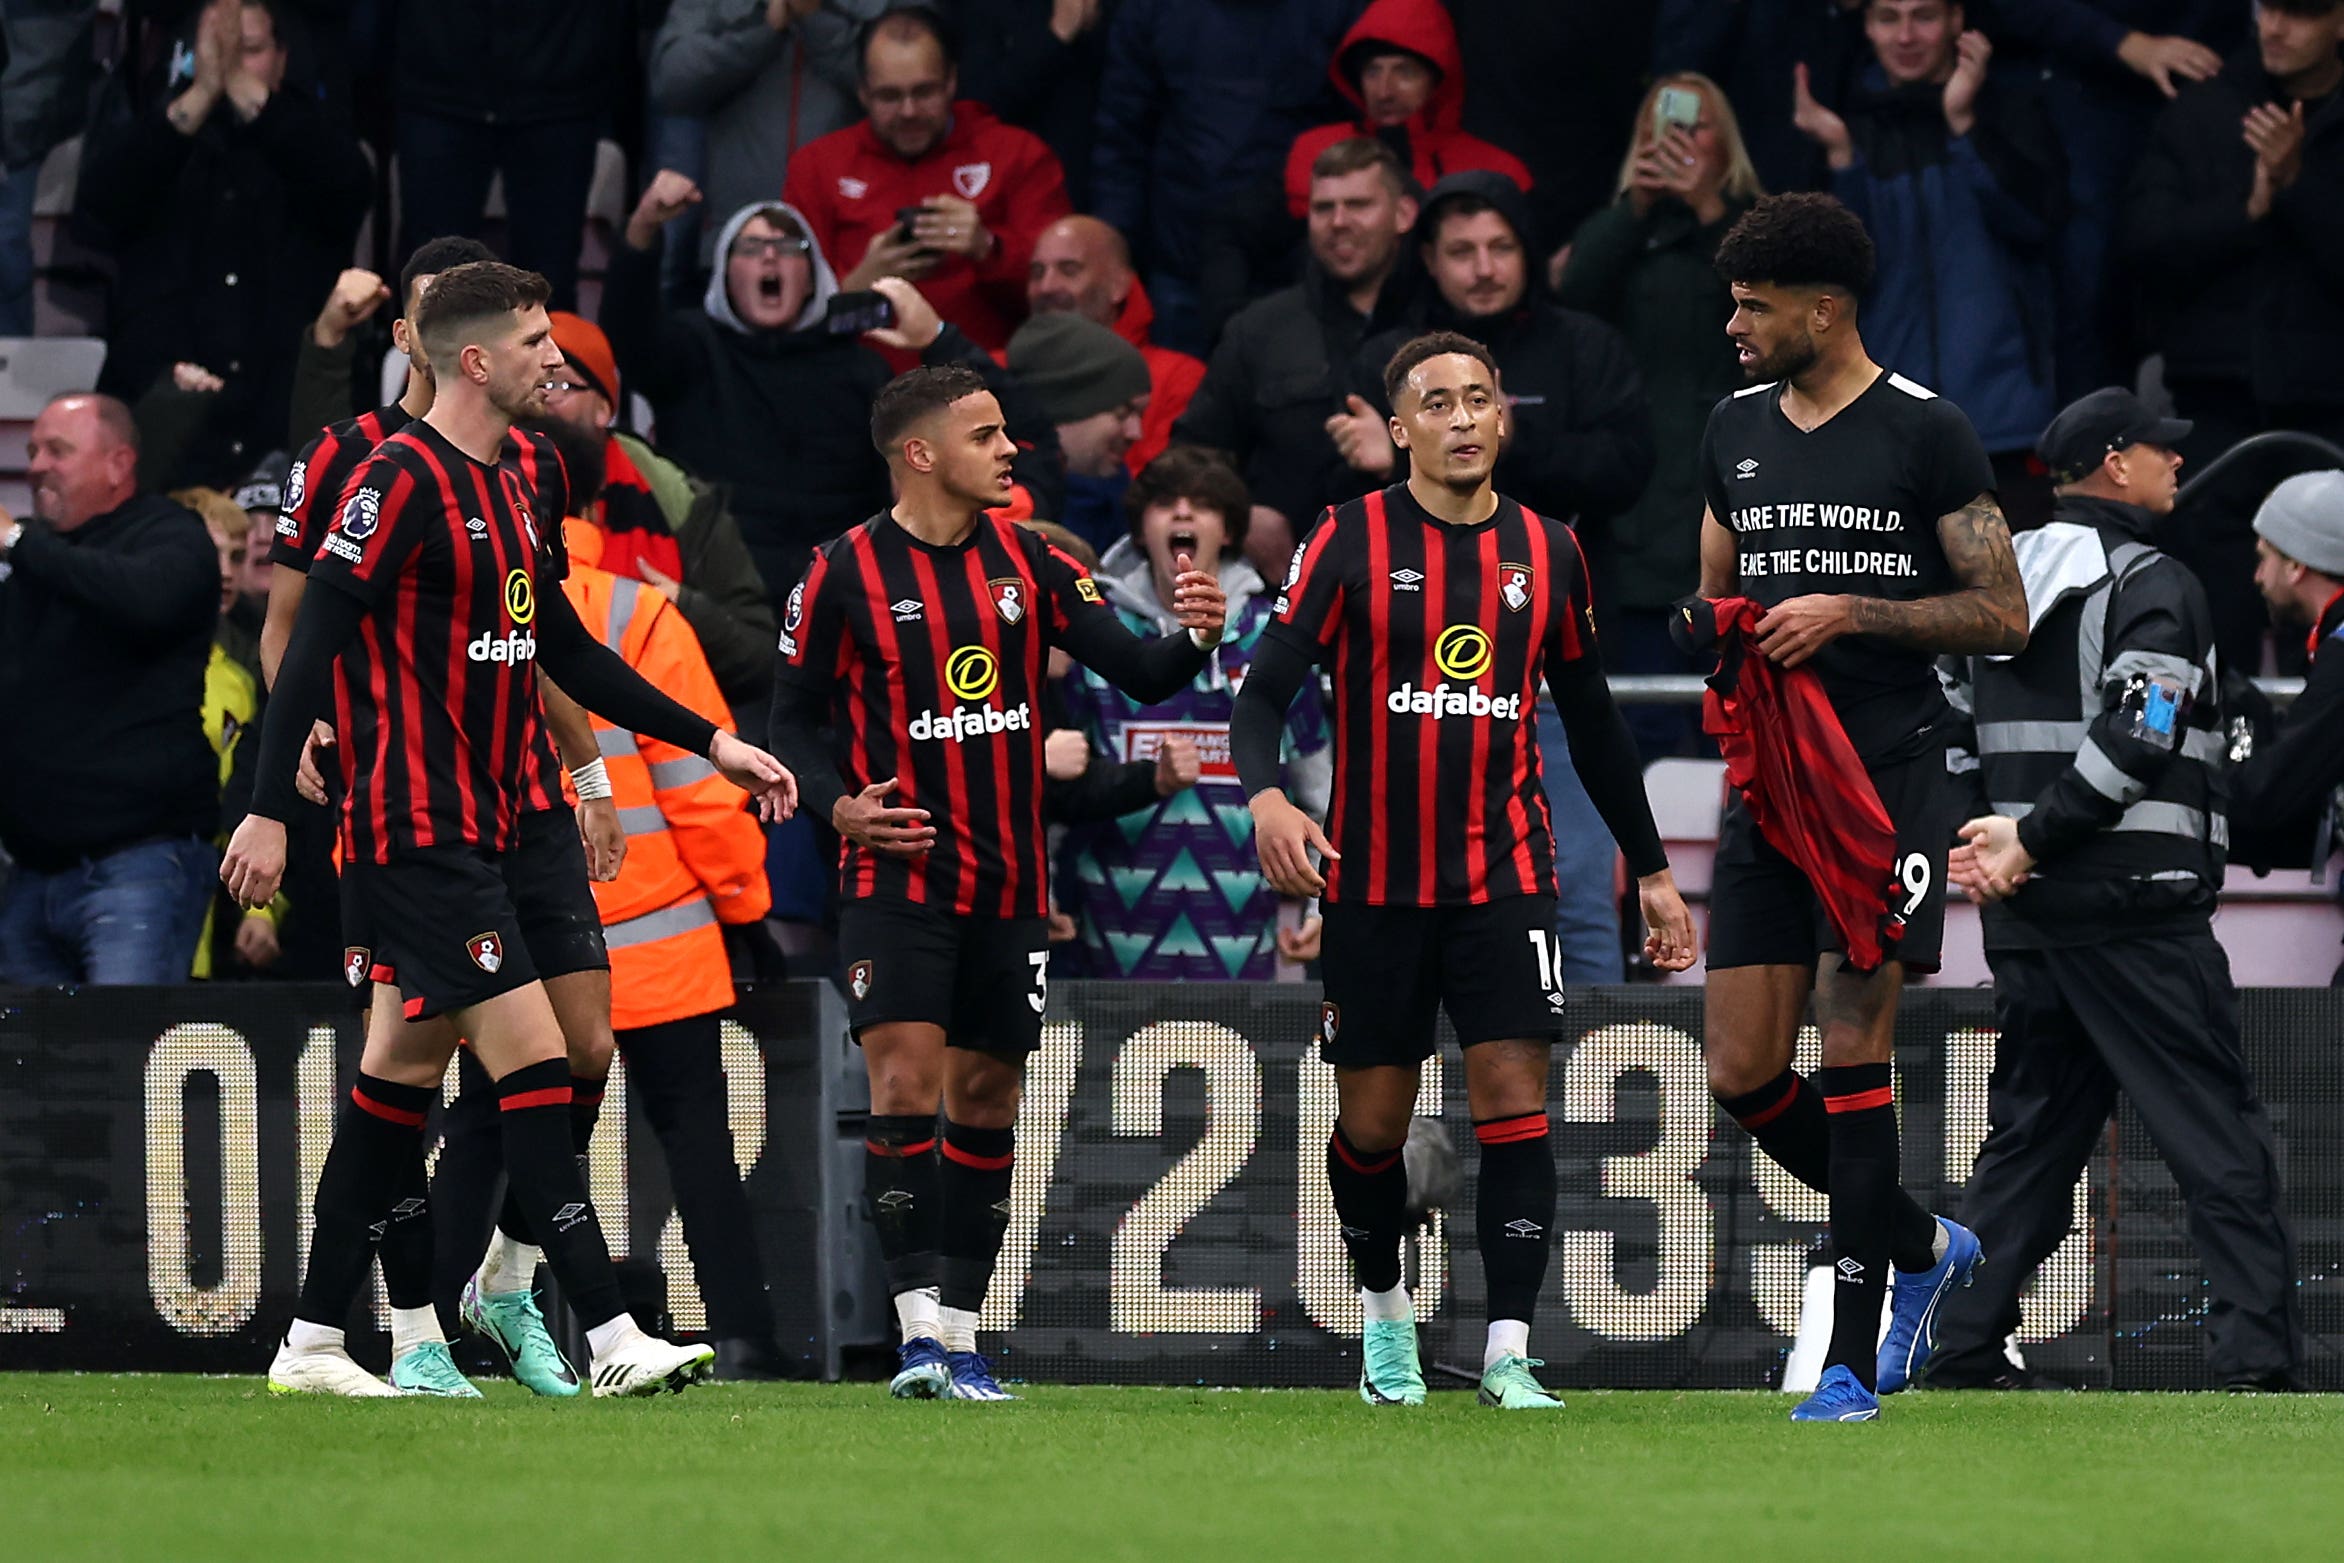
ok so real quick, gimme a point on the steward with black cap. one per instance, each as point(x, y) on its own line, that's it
point(2095, 844)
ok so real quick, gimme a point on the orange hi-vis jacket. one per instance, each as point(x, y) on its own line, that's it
point(695, 856)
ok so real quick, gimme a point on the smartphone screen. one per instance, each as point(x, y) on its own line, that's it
point(1678, 106)
point(851, 314)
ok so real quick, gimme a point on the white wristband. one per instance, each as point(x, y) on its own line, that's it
point(591, 781)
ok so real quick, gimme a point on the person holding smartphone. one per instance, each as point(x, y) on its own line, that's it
point(1644, 264)
point(928, 187)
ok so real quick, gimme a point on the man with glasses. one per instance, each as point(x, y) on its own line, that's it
point(929, 188)
point(656, 524)
point(766, 387)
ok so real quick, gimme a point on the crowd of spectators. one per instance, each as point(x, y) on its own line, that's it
point(1179, 237)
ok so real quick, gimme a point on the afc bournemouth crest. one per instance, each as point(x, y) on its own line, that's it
point(487, 951)
point(1008, 598)
point(858, 980)
point(356, 958)
point(970, 179)
point(1514, 586)
point(1330, 1022)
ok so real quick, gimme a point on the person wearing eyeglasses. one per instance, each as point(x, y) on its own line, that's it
point(929, 186)
point(766, 387)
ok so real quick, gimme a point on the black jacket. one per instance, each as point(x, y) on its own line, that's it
point(1012, 62)
point(514, 61)
point(1200, 99)
point(782, 419)
point(2261, 303)
point(1282, 370)
point(224, 243)
point(1655, 279)
point(1581, 446)
point(104, 634)
point(2290, 777)
point(2118, 796)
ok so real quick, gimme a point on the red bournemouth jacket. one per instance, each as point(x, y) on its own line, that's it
point(1807, 791)
point(1437, 143)
point(849, 185)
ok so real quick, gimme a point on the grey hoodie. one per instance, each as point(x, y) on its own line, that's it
point(718, 299)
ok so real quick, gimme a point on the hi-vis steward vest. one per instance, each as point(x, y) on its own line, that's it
point(2034, 713)
point(695, 856)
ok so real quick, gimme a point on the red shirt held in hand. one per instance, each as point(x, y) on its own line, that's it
point(1806, 790)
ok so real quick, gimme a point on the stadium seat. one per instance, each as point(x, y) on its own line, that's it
point(33, 369)
point(1688, 802)
point(69, 281)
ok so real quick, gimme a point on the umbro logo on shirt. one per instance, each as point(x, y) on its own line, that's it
point(1748, 468)
point(1407, 581)
point(905, 611)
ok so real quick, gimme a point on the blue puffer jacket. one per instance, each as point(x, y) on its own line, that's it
point(1961, 301)
point(1201, 99)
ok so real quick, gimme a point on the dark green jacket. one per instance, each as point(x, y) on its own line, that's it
point(1652, 278)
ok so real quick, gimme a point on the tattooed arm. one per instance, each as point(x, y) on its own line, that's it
point(1987, 616)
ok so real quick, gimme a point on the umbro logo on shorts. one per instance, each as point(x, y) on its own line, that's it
point(570, 1215)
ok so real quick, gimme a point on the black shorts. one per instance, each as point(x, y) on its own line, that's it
point(546, 873)
point(1496, 968)
point(444, 927)
point(545, 877)
point(983, 979)
point(1764, 912)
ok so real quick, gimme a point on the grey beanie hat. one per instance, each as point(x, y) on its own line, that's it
point(2304, 519)
point(1076, 367)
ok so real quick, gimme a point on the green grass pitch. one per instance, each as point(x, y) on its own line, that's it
point(154, 1468)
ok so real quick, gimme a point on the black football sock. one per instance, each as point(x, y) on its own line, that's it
point(407, 1243)
point(972, 1185)
point(377, 1134)
point(1371, 1206)
point(900, 1182)
point(1514, 1214)
point(534, 1104)
point(585, 1111)
point(1787, 1118)
point(1861, 1102)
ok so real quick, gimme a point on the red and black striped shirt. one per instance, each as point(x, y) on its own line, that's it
point(435, 701)
point(315, 482)
point(1436, 637)
point(931, 661)
point(531, 457)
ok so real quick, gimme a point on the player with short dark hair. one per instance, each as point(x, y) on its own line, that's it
point(1855, 511)
point(912, 661)
point(1438, 605)
point(547, 873)
point(441, 596)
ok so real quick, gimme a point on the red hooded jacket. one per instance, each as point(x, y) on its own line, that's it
point(1807, 791)
point(848, 185)
point(1172, 378)
point(1435, 143)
